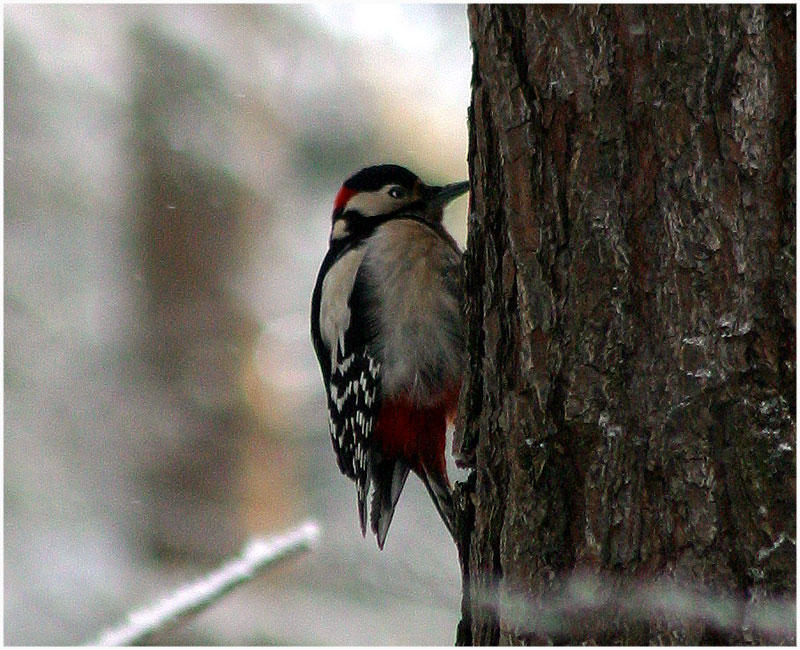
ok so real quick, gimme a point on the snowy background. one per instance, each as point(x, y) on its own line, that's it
point(169, 173)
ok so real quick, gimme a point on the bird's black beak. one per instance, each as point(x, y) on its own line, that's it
point(442, 195)
point(435, 197)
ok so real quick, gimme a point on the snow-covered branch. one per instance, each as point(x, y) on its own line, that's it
point(258, 554)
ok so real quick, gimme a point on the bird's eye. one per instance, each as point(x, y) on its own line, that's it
point(397, 192)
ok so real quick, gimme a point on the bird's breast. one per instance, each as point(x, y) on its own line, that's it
point(417, 309)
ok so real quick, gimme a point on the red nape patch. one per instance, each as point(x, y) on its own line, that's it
point(343, 196)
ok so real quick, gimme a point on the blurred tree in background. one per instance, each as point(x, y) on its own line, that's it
point(630, 405)
point(190, 236)
point(169, 175)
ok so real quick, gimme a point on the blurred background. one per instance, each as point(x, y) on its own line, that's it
point(169, 176)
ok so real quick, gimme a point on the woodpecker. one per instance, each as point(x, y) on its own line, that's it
point(387, 330)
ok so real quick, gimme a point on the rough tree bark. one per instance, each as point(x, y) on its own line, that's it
point(630, 403)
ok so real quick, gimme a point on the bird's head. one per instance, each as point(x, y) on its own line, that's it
point(383, 190)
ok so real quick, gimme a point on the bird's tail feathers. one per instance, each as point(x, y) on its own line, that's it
point(362, 488)
point(439, 488)
point(385, 496)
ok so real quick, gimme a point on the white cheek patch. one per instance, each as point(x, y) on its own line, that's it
point(369, 204)
point(339, 229)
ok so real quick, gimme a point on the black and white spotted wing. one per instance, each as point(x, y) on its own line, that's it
point(353, 402)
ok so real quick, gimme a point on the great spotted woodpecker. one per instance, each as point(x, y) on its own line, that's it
point(387, 330)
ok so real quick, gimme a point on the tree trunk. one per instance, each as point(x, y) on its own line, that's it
point(629, 408)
